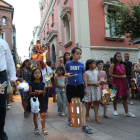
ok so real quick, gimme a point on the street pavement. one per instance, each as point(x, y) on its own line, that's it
point(117, 128)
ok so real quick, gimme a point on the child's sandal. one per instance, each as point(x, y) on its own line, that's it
point(44, 132)
point(87, 130)
point(98, 121)
point(37, 131)
point(69, 122)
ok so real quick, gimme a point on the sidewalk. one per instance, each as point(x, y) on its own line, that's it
point(117, 128)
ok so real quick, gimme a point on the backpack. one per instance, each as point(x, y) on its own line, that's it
point(48, 79)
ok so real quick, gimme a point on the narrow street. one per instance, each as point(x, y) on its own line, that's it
point(121, 127)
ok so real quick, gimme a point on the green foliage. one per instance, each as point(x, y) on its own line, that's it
point(127, 20)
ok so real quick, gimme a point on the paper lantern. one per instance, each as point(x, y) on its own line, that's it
point(76, 112)
point(105, 98)
point(113, 93)
point(133, 84)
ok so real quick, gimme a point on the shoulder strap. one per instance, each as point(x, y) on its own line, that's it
point(46, 70)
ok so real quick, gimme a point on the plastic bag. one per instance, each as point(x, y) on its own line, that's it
point(34, 105)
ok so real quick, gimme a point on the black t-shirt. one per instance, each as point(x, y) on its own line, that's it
point(128, 68)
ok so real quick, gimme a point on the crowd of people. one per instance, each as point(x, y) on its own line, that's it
point(73, 79)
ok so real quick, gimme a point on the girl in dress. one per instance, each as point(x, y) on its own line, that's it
point(37, 89)
point(60, 83)
point(103, 83)
point(93, 95)
point(117, 72)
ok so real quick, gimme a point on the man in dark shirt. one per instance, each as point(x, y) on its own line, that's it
point(129, 73)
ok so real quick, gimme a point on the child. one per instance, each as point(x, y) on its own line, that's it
point(106, 69)
point(103, 83)
point(93, 95)
point(60, 83)
point(75, 72)
point(117, 71)
point(38, 85)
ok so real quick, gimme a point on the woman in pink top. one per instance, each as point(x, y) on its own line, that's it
point(117, 71)
point(103, 81)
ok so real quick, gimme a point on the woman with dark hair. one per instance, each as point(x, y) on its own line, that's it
point(66, 57)
point(24, 73)
point(117, 72)
point(45, 70)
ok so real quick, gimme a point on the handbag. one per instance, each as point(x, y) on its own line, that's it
point(9, 90)
point(48, 79)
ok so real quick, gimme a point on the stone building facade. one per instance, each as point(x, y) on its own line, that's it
point(65, 24)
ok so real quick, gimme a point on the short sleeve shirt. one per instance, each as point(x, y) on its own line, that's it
point(75, 68)
point(128, 66)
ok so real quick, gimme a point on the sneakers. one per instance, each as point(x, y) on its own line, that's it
point(115, 113)
point(62, 114)
point(8, 107)
point(3, 136)
point(131, 103)
point(59, 113)
point(129, 114)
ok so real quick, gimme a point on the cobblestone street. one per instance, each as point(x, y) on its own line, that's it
point(120, 127)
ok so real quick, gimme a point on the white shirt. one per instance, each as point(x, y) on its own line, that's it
point(44, 72)
point(6, 60)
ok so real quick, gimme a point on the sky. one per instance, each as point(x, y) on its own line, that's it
point(26, 17)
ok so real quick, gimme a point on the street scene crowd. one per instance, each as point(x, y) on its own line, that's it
point(71, 79)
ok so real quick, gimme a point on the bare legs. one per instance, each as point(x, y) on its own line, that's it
point(35, 120)
point(124, 104)
point(87, 110)
point(129, 98)
point(96, 107)
point(8, 99)
point(43, 119)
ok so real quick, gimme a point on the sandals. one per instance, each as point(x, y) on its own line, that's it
point(86, 129)
point(44, 132)
point(106, 116)
point(88, 119)
point(69, 122)
point(37, 131)
point(98, 121)
point(25, 114)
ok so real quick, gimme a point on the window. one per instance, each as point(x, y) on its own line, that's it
point(112, 24)
point(66, 18)
point(3, 21)
point(2, 35)
point(108, 7)
point(67, 31)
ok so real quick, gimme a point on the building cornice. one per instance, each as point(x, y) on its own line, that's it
point(45, 16)
point(112, 48)
point(7, 9)
point(65, 13)
point(52, 34)
point(111, 2)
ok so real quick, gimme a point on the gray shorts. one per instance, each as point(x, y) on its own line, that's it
point(128, 79)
